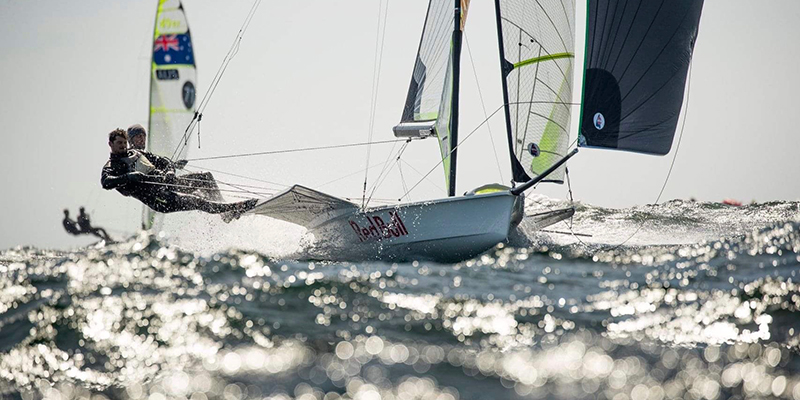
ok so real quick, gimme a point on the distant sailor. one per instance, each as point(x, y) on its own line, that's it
point(83, 226)
point(86, 226)
point(153, 182)
point(202, 184)
point(69, 225)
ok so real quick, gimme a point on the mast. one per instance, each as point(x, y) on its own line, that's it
point(517, 172)
point(451, 191)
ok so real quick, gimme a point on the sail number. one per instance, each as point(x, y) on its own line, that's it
point(167, 74)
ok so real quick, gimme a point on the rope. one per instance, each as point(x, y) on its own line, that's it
point(294, 150)
point(199, 168)
point(452, 150)
point(376, 78)
point(483, 105)
point(437, 186)
point(234, 49)
point(174, 185)
point(672, 164)
point(385, 172)
point(348, 175)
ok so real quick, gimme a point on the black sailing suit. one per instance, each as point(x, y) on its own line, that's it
point(136, 175)
point(201, 184)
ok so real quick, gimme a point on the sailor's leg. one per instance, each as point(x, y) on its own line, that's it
point(104, 233)
point(204, 182)
point(186, 202)
point(212, 189)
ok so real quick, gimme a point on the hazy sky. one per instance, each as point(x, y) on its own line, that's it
point(72, 71)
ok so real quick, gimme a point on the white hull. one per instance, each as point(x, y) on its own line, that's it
point(448, 229)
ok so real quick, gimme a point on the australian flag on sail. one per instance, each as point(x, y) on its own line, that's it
point(173, 49)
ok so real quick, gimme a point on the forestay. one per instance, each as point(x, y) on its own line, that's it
point(536, 57)
point(427, 110)
point(637, 59)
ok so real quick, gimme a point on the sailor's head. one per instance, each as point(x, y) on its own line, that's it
point(81, 210)
point(137, 136)
point(66, 212)
point(118, 141)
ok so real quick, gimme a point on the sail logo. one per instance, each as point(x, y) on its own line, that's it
point(188, 94)
point(599, 121)
point(378, 229)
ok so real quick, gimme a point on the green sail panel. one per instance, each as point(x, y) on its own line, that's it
point(537, 53)
point(637, 59)
point(428, 107)
point(173, 82)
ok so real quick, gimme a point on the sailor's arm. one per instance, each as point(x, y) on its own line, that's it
point(111, 179)
point(163, 164)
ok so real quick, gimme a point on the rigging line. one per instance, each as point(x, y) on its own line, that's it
point(402, 178)
point(420, 173)
point(380, 36)
point(572, 203)
point(193, 187)
point(483, 105)
point(226, 183)
point(234, 49)
point(264, 195)
point(199, 168)
point(383, 170)
point(262, 153)
point(387, 169)
point(674, 157)
point(349, 175)
point(454, 148)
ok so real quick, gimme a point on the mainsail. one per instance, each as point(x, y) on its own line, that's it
point(637, 58)
point(536, 57)
point(173, 78)
point(429, 103)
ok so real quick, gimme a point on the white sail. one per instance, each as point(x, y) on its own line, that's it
point(537, 53)
point(428, 106)
point(173, 79)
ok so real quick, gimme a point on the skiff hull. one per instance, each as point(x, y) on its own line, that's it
point(446, 230)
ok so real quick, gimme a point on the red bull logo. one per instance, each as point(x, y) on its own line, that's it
point(378, 229)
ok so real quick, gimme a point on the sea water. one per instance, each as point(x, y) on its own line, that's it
point(681, 300)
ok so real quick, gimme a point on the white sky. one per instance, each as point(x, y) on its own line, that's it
point(72, 71)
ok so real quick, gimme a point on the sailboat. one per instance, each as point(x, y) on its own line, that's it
point(637, 56)
point(173, 79)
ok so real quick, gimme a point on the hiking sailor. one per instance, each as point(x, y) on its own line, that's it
point(85, 226)
point(199, 183)
point(153, 182)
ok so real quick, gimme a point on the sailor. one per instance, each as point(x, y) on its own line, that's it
point(202, 184)
point(134, 174)
point(69, 224)
point(86, 226)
